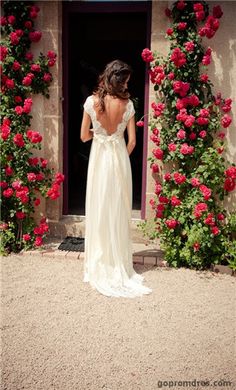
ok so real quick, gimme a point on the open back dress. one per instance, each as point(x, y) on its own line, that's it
point(108, 264)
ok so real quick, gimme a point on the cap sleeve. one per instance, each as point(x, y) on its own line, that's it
point(131, 110)
point(87, 105)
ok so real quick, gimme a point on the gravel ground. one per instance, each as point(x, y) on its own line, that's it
point(59, 333)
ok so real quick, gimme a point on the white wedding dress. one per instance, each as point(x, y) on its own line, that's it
point(108, 265)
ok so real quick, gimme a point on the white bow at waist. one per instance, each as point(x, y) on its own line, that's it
point(102, 138)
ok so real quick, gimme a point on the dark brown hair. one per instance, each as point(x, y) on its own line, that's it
point(112, 81)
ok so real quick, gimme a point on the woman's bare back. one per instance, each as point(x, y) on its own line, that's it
point(113, 114)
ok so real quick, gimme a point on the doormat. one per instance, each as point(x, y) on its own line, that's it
point(72, 244)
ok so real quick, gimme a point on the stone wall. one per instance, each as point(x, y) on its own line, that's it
point(47, 114)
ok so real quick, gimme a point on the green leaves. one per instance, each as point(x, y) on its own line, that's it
point(199, 238)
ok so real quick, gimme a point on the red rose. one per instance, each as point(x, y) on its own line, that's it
point(26, 237)
point(178, 57)
point(31, 176)
point(196, 246)
point(210, 220)
point(220, 217)
point(200, 15)
point(5, 132)
point(3, 21)
point(16, 184)
point(204, 112)
point(206, 60)
point(155, 131)
point(35, 36)
point(155, 168)
point(18, 99)
point(199, 209)
point(8, 193)
point(226, 121)
point(44, 162)
point(186, 149)
point(3, 52)
point(168, 12)
point(171, 76)
point(34, 136)
point(40, 176)
point(27, 81)
point(189, 46)
point(33, 161)
point(14, 38)
point(35, 67)
point(155, 139)
point(38, 241)
point(217, 11)
point(202, 121)
point(19, 110)
point(189, 121)
point(59, 178)
point(193, 100)
point(179, 178)
point(28, 24)
point(169, 31)
point(147, 55)
point(181, 134)
point(18, 140)
point(231, 172)
point(29, 56)
point(27, 105)
point(171, 223)
point(229, 184)
point(192, 136)
point(167, 176)
point(8, 171)
point(181, 5)
point(204, 78)
point(175, 201)
point(198, 7)
point(205, 191)
point(51, 62)
point(158, 153)
point(171, 147)
point(47, 77)
point(203, 134)
point(221, 135)
point(140, 123)
point(195, 182)
point(11, 19)
point(181, 87)
point(20, 215)
point(215, 230)
point(182, 26)
point(51, 54)
point(3, 184)
point(53, 192)
point(163, 199)
point(158, 188)
point(16, 65)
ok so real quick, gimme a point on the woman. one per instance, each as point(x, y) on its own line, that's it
point(108, 264)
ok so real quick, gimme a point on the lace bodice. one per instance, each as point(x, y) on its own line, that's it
point(97, 127)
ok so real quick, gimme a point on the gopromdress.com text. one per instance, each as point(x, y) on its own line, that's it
point(221, 383)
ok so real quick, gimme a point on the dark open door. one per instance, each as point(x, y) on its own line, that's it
point(95, 33)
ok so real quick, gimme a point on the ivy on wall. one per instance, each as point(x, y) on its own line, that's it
point(188, 124)
point(23, 176)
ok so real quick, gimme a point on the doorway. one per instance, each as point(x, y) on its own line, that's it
point(95, 33)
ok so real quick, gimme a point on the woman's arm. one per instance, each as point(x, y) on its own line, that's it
point(131, 135)
point(85, 133)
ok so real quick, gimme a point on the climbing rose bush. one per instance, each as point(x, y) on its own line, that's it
point(24, 177)
point(188, 126)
